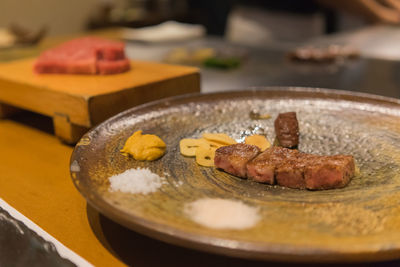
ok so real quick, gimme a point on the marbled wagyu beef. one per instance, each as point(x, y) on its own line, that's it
point(87, 55)
point(233, 159)
point(262, 168)
point(286, 167)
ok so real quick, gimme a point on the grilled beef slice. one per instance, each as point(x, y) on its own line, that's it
point(329, 172)
point(287, 129)
point(262, 168)
point(286, 167)
point(233, 158)
point(290, 172)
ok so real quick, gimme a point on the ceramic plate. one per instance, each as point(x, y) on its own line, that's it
point(356, 223)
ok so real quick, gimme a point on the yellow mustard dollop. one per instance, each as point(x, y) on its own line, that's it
point(144, 146)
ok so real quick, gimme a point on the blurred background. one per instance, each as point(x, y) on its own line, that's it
point(350, 45)
point(299, 19)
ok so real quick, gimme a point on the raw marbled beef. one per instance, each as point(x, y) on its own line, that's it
point(87, 55)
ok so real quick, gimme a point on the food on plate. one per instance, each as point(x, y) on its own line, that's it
point(286, 167)
point(256, 160)
point(219, 213)
point(136, 181)
point(207, 56)
point(234, 158)
point(287, 129)
point(219, 138)
point(184, 55)
point(262, 167)
point(205, 155)
point(144, 146)
point(254, 115)
point(258, 140)
point(202, 54)
point(204, 148)
point(222, 62)
point(188, 146)
point(330, 53)
point(87, 55)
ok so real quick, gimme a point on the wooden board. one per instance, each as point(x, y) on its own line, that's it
point(78, 102)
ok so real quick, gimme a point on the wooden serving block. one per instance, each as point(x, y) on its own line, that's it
point(78, 102)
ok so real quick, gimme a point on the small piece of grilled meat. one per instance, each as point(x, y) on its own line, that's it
point(287, 129)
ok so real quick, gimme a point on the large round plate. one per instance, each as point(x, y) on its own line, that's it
point(356, 223)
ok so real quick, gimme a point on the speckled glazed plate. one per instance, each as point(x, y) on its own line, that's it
point(357, 223)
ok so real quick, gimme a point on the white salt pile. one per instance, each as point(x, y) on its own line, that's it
point(136, 181)
point(222, 213)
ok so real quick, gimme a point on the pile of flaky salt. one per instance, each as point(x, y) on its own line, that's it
point(136, 181)
point(214, 213)
point(221, 213)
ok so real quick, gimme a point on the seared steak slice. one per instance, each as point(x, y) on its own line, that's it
point(287, 129)
point(327, 172)
point(286, 167)
point(290, 173)
point(262, 168)
point(233, 158)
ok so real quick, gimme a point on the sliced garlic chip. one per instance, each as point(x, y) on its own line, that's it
point(188, 146)
point(258, 140)
point(205, 156)
point(221, 138)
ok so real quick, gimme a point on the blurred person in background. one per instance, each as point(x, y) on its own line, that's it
point(258, 21)
point(375, 11)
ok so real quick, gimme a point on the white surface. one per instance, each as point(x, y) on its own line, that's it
point(256, 26)
point(61, 249)
point(164, 32)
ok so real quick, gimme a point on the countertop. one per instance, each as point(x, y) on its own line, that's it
point(269, 66)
